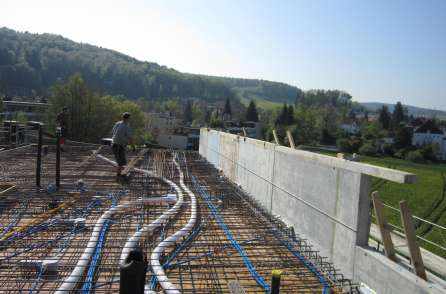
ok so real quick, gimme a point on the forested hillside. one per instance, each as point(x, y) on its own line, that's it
point(32, 63)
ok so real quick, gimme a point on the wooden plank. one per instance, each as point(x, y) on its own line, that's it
point(414, 249)
point(93, 155)
point(276, 139)
point(5, 188)
point(290, 139)
point(382, 224)
point(134, 161)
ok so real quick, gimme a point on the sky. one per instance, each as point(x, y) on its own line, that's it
point(381, 50)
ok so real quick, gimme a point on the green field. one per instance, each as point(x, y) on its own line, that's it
point(262, 103)
point(426, 198)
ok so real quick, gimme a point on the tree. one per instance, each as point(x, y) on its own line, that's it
point(384, 117)
point(398, 114)
point(251, 112)
point(403, 137)
point(227, 110)
point(290, 115)
point(91, 116)
point(283, 116)
point(188, 115)
point(207, 117)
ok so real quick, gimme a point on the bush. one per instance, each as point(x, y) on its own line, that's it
point(429, 152)
point(368, 149)
point(415, 156)
point(349, 145)
point(388, 149)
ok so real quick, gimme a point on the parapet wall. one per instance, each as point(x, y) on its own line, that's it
point(325, 199)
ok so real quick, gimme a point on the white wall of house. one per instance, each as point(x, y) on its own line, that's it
point(420, 139)
point(350, 128)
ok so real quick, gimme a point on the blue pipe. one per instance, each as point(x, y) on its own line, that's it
point(89, 283)
point(259, 279)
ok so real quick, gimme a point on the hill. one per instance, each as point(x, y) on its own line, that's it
point(412, 110)
point(32, 63)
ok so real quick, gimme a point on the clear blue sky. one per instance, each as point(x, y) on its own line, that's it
point(376, 50)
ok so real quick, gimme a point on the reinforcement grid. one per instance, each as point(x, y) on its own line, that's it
point(44, 232)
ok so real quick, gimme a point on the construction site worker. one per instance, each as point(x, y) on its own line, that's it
point(62, 126)
point(121, 137)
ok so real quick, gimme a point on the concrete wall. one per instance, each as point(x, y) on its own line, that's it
point(325, 199)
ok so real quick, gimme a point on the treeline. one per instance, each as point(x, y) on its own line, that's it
point(31, 63)
point(34, 62)
point(91, 115)
point(313, 118)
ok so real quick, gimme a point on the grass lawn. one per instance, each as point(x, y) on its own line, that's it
point(425, 198)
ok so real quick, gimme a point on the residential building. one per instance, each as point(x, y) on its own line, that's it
point(351, 128)
point(429, 133)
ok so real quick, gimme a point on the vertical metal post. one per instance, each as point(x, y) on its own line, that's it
point(57, 159)
point(39, 155)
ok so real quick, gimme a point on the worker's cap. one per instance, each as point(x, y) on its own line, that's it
point(126, 115)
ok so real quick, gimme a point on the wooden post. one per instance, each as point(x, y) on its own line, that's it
point(290, 139)
point(58, 159)
point(382, 224)
point(39, 156)
point(340, 155)
point(414, 249)
point(276, 139)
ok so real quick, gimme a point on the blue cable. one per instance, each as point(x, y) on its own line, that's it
point(305, 261)
point(89, 283)
point(259, 279)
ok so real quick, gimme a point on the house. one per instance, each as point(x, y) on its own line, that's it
point(429, 133)
point(161, 123)
point(351, 128)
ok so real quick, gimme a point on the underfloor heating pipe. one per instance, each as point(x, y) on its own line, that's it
point(74, 278)
point(157, 268)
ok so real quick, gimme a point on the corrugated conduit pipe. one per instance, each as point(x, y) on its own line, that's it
point(74, 278)
point(157, 268)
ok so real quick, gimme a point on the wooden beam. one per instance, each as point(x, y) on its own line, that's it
point(382, 224)
point(276, 139)
point(134, 161)
point(93, 155)
point(411, 239)
point(5, 188)
point(290, 139)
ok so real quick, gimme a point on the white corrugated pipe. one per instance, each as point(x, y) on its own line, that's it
point(157, 268)
point(74, 278)
point(133, 241)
